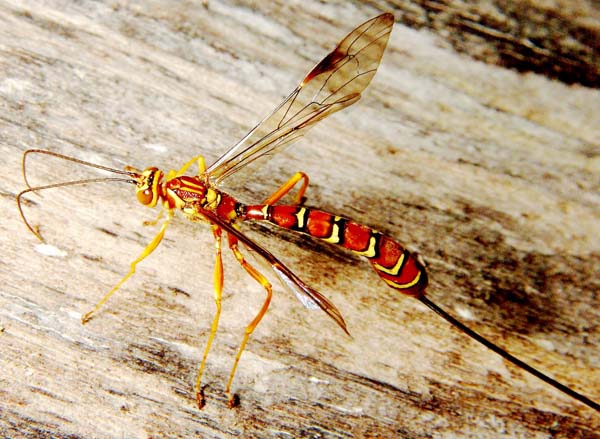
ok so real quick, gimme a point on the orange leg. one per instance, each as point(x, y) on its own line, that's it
point(287, 187)
point(155, 220)
point(218, 285)
point(145, 253)
point(198, 159)
point(256, 275)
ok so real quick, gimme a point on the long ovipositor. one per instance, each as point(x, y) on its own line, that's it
point(398, 267)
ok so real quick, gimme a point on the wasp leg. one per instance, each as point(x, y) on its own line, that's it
point(147, 251)
point(201, 166)
point(256, 275)
point(155, 220)
point(287, 187)
point(218, 285)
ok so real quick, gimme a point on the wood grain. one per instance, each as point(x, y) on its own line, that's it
point(491, 174)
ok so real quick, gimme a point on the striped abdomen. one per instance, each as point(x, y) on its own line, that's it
point(399, 268)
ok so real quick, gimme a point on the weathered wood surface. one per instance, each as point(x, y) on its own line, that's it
point(491, 174)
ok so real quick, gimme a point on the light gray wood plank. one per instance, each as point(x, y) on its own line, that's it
point(491, 174)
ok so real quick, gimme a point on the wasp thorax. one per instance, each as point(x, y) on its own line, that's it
point(147, 190)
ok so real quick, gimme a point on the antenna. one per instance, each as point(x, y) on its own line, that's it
point(132, 174)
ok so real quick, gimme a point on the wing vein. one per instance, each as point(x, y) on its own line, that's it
point(336, 82)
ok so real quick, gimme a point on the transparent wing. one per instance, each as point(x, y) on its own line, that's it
point(334, 83)
point(287, 277)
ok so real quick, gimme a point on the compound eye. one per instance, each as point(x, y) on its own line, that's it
point(145, 197)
